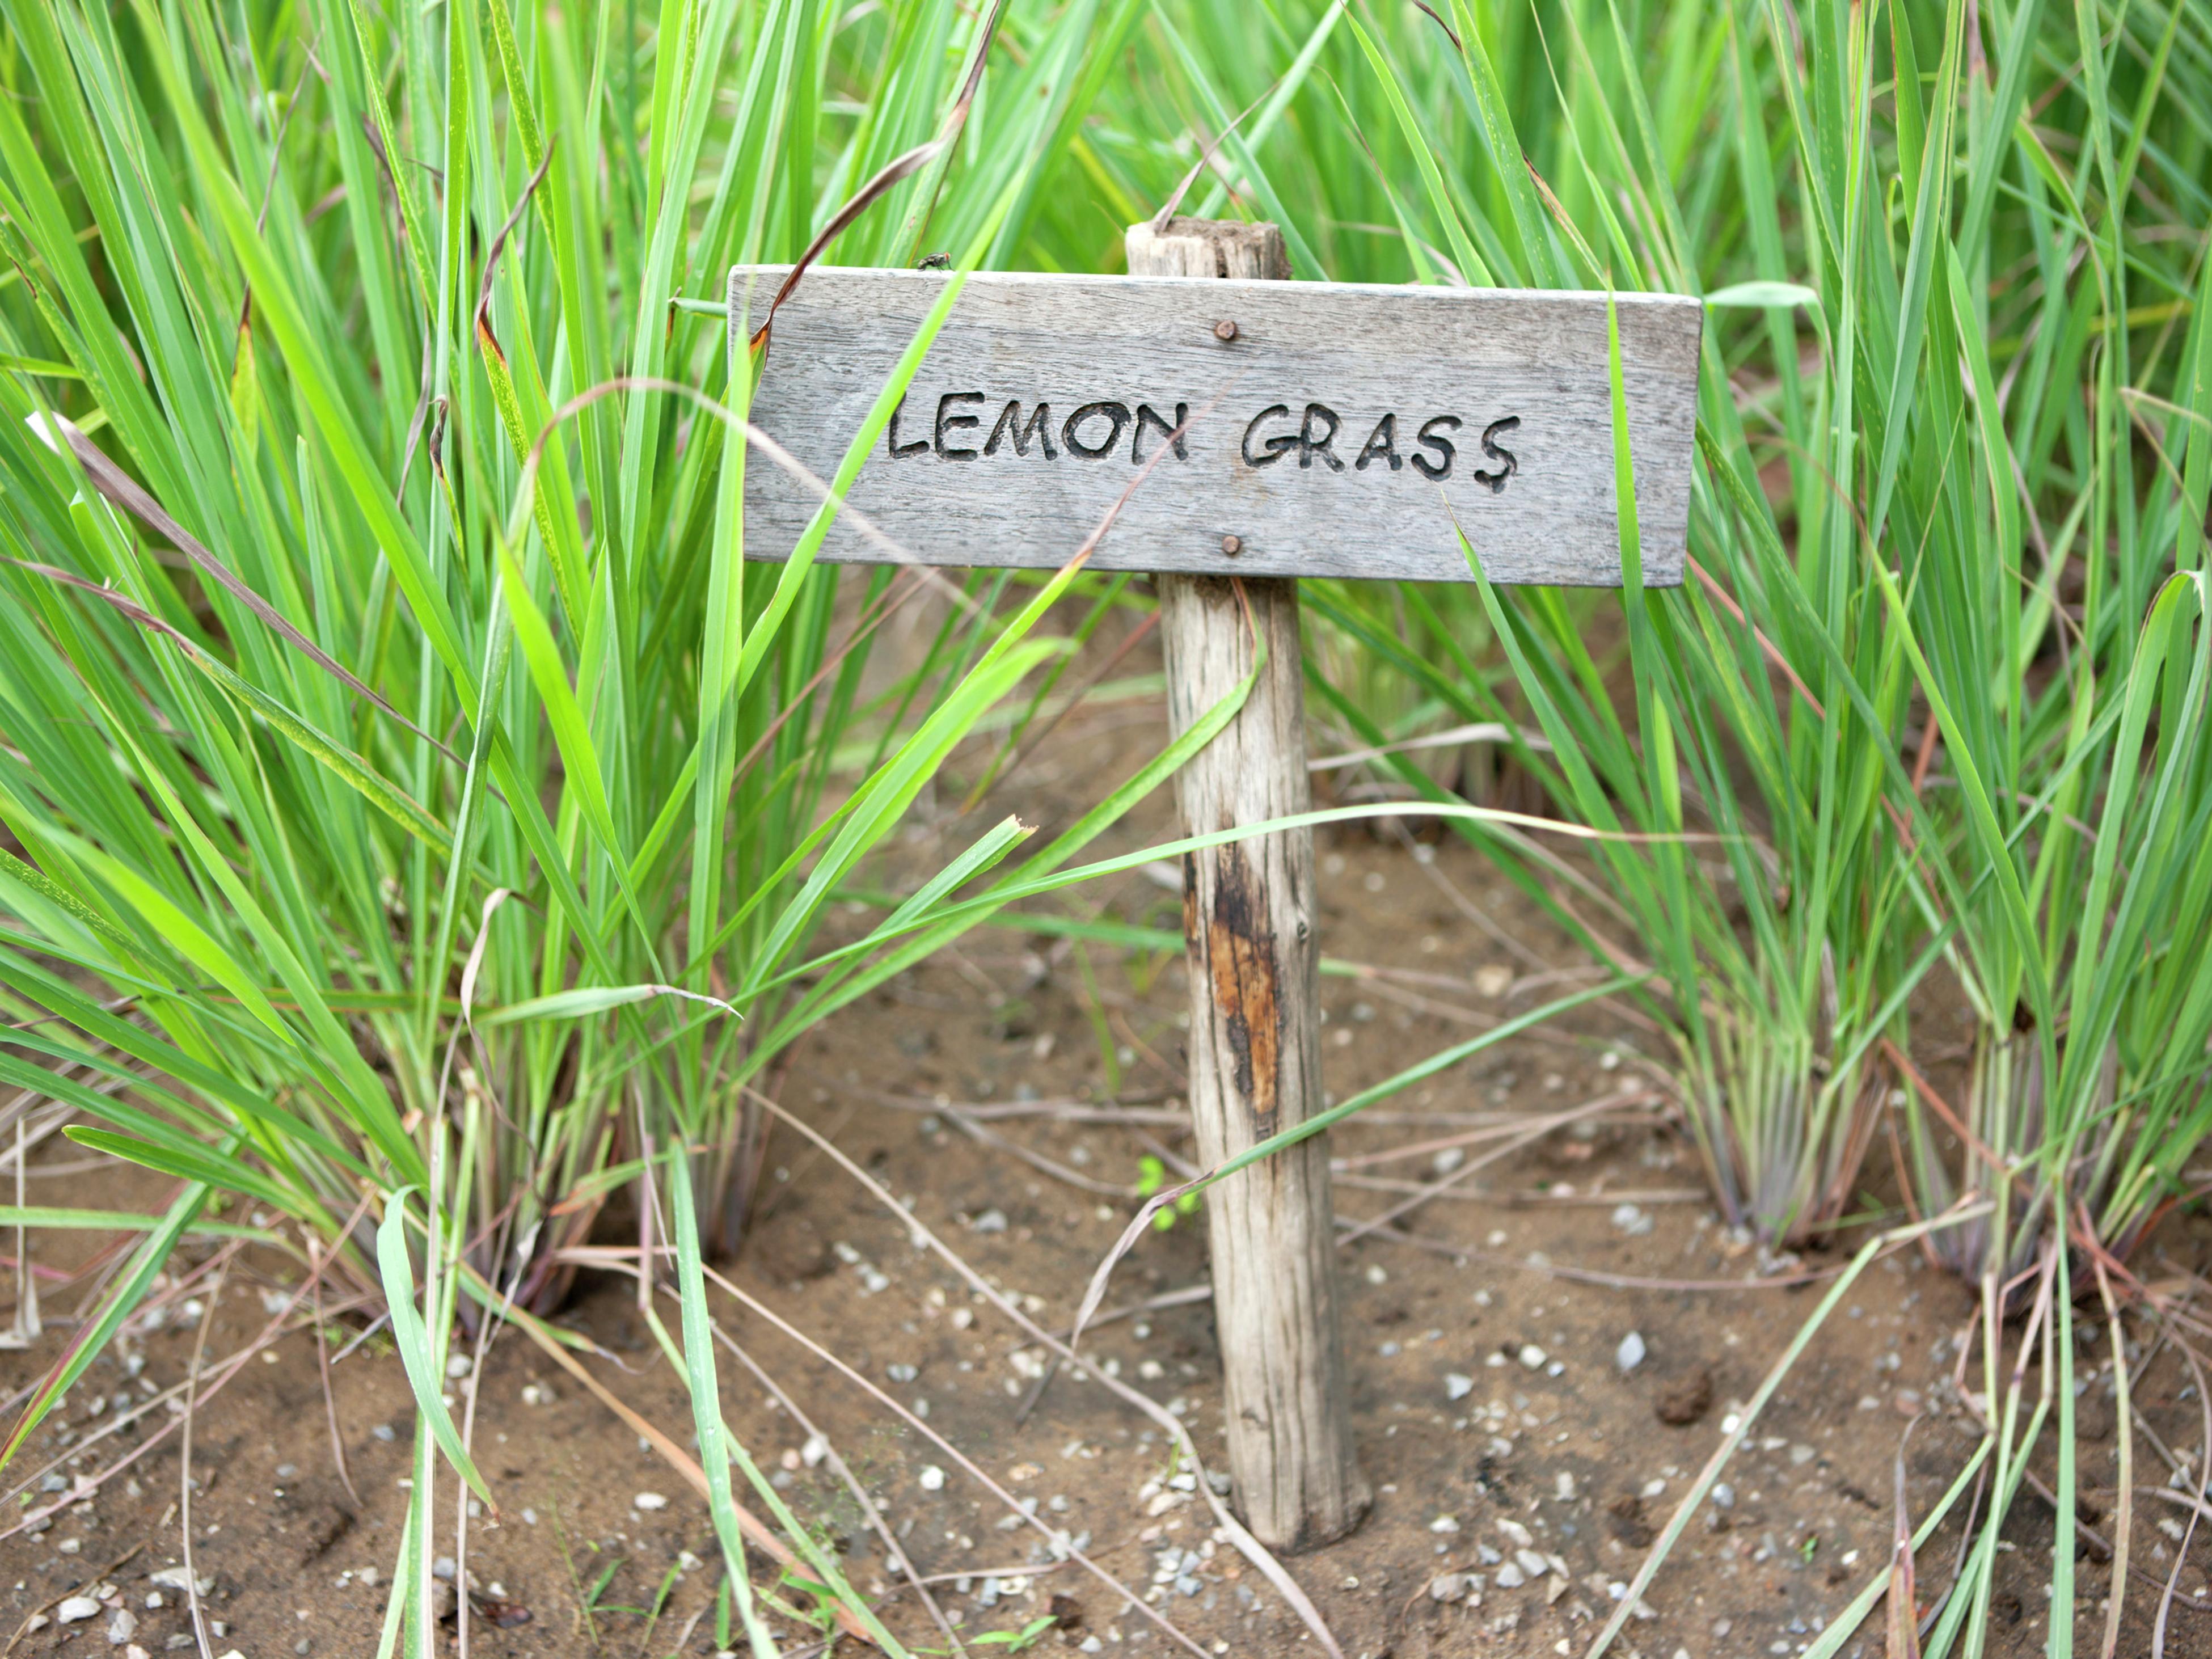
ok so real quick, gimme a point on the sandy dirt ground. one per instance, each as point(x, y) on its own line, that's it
point(1008, 1094)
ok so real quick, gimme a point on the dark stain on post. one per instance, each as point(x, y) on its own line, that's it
point(1236, 949)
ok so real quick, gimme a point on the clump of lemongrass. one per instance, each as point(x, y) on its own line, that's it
point(1941, 662)
point(1758, 708)
point(419, 811)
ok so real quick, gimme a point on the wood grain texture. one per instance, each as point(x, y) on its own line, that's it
point(1208, 248)
point(1253, 1055)
point(1254, 1060)
point(1338, 481)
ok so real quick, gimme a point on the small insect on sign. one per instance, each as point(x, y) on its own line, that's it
point(1294, 428)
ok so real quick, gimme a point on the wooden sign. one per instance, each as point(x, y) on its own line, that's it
point(1302, 428)
point(1271, 429)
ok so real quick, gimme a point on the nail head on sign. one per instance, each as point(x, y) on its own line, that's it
point(1233, 545)
point(1225, 329)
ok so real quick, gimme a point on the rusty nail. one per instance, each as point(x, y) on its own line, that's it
point(1225, 329)
point(1233, 545)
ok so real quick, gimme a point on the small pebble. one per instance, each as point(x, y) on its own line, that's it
point(76, 1608)
point(1630, 1354)
point(650, 1500)
point(931, 1478)
point(1531, 1356)
point(991, 1221)
point(1444, 1524)
point(1447, 1587)
point(1632, 1220)
point(1457, 1385)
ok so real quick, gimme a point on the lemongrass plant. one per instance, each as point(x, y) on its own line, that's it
point(1942, 672)
point(1766, 161)
point(1756, 710)
point(2050, 513)
point(418, 810)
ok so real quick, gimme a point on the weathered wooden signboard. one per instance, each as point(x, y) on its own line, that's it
point(1326, 429)
point(1290, 429)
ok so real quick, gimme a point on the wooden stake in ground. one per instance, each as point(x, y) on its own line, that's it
point(1255, 1052)
point(1238, 434)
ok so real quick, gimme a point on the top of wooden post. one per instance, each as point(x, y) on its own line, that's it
point(1208, 247)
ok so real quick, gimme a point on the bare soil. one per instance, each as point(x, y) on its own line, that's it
point(1487, 1395)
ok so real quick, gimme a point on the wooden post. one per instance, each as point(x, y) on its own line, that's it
point(1488, 424)
point(1254, 1050)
